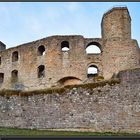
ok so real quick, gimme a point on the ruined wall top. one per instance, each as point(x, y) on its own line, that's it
point(116, 8)
point(2, 46)
point(63, 59)
point(116, 23)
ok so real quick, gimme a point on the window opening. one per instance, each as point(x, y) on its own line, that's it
point(65, 46)
point(14, 56)
point(41, 71)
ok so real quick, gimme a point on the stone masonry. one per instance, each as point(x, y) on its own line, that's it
point(108, 100)
point(43, 63)
point(104, 108)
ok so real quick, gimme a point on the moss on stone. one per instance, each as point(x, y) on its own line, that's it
point(97, 84)
point(99, 78)
point(8, 93)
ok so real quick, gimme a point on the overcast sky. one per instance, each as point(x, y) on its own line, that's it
point(23, 22)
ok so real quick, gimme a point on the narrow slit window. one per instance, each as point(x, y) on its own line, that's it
point(0, 60)
point(14, 76)
point(41, 71)
point(15, 56)
point(1, 78)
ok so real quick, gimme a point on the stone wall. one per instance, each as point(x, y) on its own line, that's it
point(118, 52)
point(112, 107)
point(58, 64)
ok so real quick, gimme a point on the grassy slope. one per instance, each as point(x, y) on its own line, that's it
point(26, 132)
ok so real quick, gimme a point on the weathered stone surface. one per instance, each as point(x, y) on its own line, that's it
point(104, 108)
point(118, 52)
point(107, 108)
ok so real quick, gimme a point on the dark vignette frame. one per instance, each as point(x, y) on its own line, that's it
point(70, 137)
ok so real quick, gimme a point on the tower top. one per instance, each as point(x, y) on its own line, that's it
point(115, 8)
point(116, 22)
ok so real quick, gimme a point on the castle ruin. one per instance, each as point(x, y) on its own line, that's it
point(113, 104)
point(63, 60)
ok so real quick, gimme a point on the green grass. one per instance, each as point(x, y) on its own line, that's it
point(28, 132)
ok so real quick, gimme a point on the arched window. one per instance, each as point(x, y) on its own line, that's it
point(41, 50)
point(1, 78)
point(92, 71)
point(15, 56)
point(65, 46)
point(41, 71)
point(14, 76)
point(93, 48)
